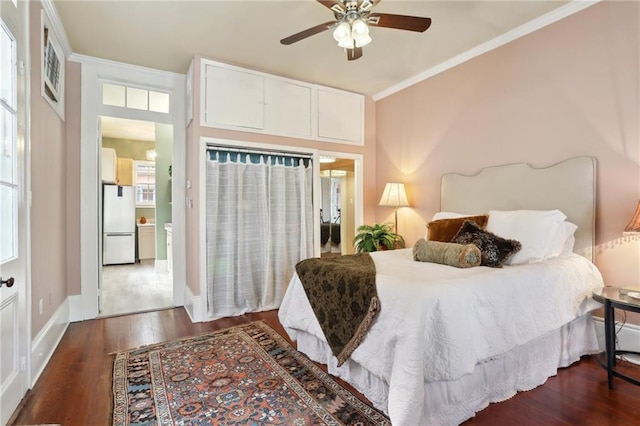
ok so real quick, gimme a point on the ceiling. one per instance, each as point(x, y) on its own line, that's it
point(166, 34)
point(121, 128)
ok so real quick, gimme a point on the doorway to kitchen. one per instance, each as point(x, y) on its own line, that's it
point(135, 188)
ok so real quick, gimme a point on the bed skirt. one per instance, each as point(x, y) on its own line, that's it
point(452, 402)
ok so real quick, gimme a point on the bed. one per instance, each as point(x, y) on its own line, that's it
point(449, 341)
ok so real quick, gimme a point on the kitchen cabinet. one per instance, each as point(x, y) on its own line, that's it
point(146, 241)
point(124, 172)
point(239, 99)
point(108, 165)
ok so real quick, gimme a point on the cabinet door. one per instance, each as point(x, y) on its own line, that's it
point(234, 98)
point(124, 175)
point(287, 108)
point(108, 165)
point(147, 242)
point(340, 116)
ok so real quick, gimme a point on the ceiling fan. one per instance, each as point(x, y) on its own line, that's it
point(352, 21)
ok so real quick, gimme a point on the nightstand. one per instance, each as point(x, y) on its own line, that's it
point(615, 298)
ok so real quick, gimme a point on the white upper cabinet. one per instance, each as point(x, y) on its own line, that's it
point(234, 98)
point(239, 99)
point(288, 108)
point(340, 115)
point(109, 165)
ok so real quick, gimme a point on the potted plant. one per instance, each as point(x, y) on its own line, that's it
point(379, 236)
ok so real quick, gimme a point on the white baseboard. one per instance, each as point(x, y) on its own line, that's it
point(628, 338)
point(76, 312)
point(47, 340)
point(193, 305)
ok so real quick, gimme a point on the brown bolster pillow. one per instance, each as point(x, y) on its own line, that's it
point(452, 254)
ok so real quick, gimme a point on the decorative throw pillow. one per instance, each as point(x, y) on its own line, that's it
point(458, 255)
point(495, 250)
point(445, 229)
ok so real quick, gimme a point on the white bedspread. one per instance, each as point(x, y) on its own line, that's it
point(437, 322)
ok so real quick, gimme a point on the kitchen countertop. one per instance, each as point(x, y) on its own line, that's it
point(145, 224)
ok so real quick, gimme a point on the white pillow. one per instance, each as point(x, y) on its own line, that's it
point(563, 240)
point(536, 230)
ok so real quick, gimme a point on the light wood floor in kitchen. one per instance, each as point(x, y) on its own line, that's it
point(134, 288)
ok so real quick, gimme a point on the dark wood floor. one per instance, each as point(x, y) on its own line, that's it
point(75, 387)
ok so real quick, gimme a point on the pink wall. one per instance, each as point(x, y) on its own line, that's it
point(569, 89)
point(48, 188)
point(195, 131)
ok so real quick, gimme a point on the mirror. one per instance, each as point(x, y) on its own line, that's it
point(337, 209)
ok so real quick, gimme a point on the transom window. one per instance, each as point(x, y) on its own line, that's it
point(134, 98)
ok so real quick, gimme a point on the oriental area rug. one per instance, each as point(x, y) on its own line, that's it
point(244, 375)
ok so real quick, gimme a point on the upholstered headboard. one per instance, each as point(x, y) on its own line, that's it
point(569, 186)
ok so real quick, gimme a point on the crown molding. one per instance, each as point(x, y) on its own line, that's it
point(58, 28)
point(521, 31)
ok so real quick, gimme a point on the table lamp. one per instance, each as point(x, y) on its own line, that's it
point(633, 227)
point(394, 195)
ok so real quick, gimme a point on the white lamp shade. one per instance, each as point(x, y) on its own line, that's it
point(633, 227)
point(359, 28)
point(342, 32)
point(360, 33)
point(346, 43)
point(394, 195)
point(363, 41)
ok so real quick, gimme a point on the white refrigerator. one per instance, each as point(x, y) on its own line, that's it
point(118, 225)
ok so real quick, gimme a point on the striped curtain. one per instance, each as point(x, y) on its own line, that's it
point(259, 225)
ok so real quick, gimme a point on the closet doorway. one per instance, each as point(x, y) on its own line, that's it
point(135, 189)
point(259, 225)
point(338, 206)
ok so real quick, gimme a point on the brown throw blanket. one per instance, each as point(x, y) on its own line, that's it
point(342, 293)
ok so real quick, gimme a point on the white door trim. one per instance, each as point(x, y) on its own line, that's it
point(93, 72)
point(200, 312)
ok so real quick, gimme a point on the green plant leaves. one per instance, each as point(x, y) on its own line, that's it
point(379, 236)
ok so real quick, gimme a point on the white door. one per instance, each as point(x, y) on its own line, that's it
point(14, 334)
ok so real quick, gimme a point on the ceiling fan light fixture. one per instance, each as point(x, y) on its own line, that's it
point(352, 21)
point(362, 41)
point(342, 32)
point(360, 33)
point(347, 43)
point(359, 28)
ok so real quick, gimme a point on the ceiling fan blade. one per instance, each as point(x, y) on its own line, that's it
point(327, 3)
point(308, 32)
point(400, 22)
point(366, 5)
point(355, 53)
